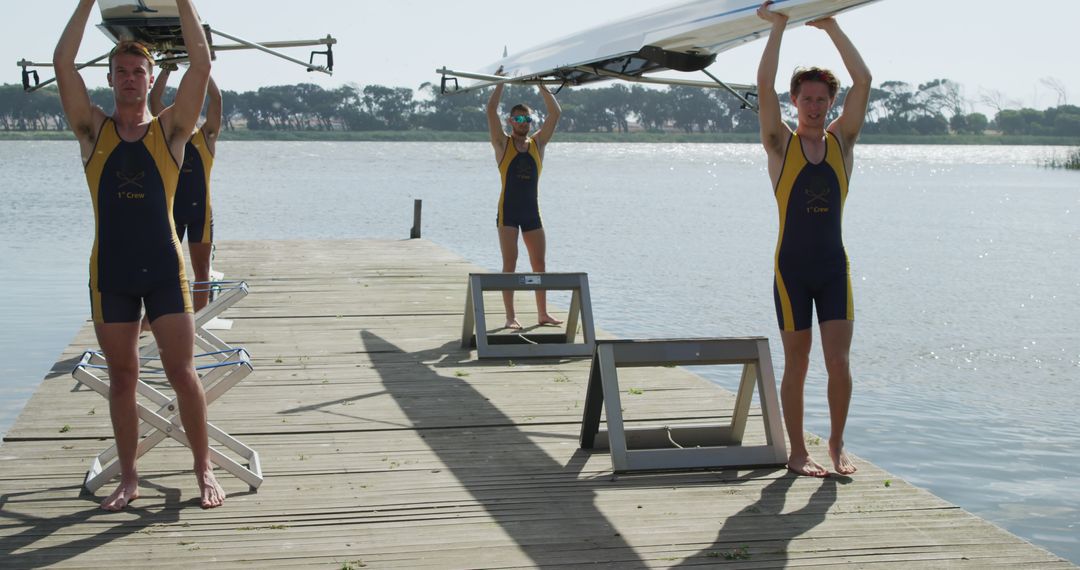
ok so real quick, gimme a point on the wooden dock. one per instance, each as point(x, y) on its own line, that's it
point(385, 445)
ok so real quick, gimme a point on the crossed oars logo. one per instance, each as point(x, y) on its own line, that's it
point(817, 196)
point(130, 179)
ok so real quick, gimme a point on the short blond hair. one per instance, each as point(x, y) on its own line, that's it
point(130, 47)
point(821, 75)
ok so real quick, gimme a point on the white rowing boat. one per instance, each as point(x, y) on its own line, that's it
point(156, 24)
point(681, 37)
point(153, 22)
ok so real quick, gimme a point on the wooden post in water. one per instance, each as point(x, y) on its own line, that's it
point(417, 206)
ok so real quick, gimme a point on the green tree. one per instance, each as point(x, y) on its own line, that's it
point(392, 106)
point(353, 115)
point(971, 124)
point(229, 108)
point(1036, 122)
point(9, 99)
point(931, 125)
point(940, 96)
point(1067, 125)
point(875, 109)
point(899, 102)
point(103, 97)
point(589, 111)
point(317, 105)
point(1010, 122)
point(977, 123)
point(692, 108)
point(1061, 120)
point(652, 107)
point(454, 112)
point(620, 101)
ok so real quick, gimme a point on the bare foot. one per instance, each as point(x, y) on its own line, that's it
point(212, 493)
point(806, 466)
point(512, 324)
point(549, 320)
point(123, 496)
point(840, 460)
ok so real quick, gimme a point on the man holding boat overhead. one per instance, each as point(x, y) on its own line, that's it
point(132, 161)
point(520, 160)
point(809, 169)
point(192, 214)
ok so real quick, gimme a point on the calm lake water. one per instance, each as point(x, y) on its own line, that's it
point(965, 262)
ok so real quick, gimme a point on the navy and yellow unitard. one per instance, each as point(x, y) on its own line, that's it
point(136, 258)
point(519, 205)
point(811, 263)
point(191, 210)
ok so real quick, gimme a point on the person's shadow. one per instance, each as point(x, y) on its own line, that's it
point(16, 551)
point(499, 477)
point(762, 533)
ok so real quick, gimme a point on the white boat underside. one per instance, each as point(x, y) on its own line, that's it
point(683, 37)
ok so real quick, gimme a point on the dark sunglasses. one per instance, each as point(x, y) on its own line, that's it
point(521, 119)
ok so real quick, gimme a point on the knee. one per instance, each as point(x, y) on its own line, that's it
point(122, 384)
point(796, 362)
point(182, 377)
point(837, 365)
point(793, 381)
point(123, 375)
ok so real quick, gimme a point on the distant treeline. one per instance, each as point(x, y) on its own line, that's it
point(897, 108)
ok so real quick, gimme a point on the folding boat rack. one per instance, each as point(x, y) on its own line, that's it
point(683, 446)
point(220, 369)
point(474, 331)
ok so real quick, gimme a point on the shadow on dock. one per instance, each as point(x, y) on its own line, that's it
point(567, 520)
point(132, 520)
point(762, 532)
point(545, 529)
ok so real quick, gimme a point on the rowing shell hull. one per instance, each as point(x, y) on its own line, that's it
point(144, 10)
point(155, 23)
point(701, 28)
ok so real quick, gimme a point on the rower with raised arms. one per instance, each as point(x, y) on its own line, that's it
point(192, 211)
point(520, 159)
point(809, 169)
point(132, 161)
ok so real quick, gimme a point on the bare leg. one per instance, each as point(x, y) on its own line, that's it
point(200, 265)
point(796, 362)
point(175, 335)
point(836, 343)
point(119, 342)
point(508, 236)
point(536, 244)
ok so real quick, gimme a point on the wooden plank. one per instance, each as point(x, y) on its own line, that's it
point(385, 444)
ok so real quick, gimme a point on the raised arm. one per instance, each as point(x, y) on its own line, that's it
point(498, 136)
point(554, 111)
point(83, 116)
point(850, 121)
point(212, 127)
point(774, 132)
point(179, 119)
point(157, 94)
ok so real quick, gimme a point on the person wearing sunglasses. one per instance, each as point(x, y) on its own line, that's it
point(132, 163)
point(809, 169)
point(520, 158)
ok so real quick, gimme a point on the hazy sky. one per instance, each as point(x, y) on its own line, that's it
point(986, 46)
